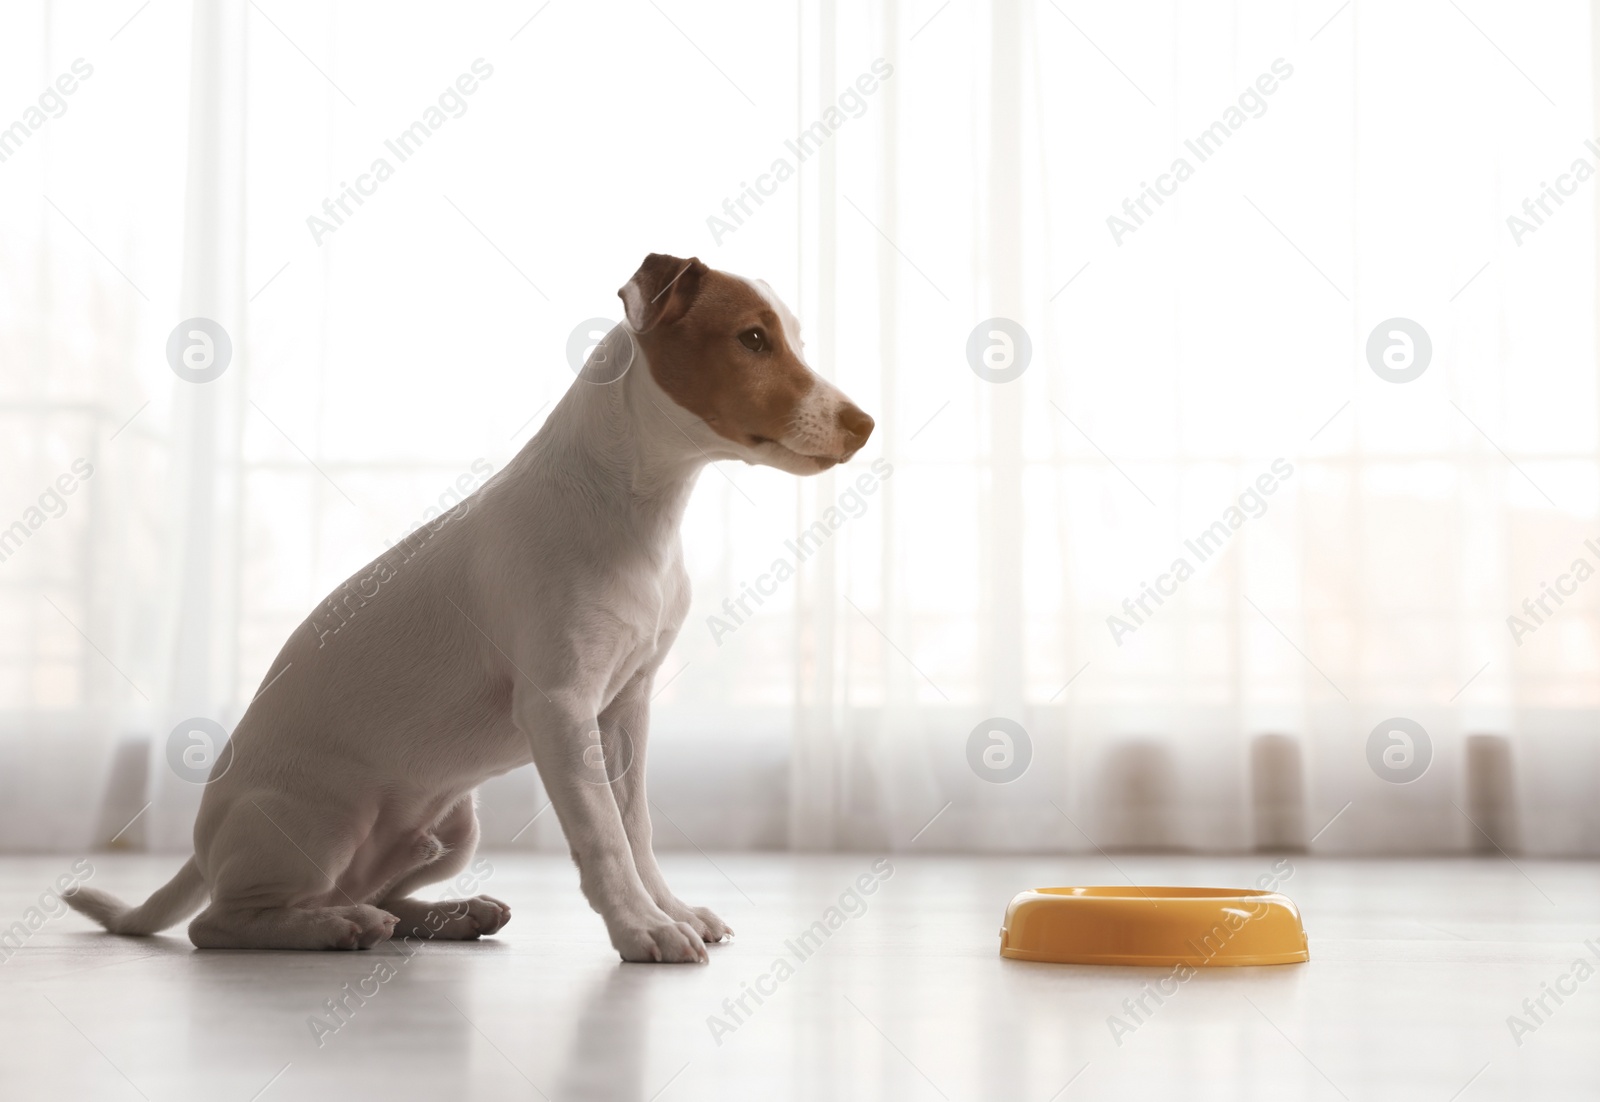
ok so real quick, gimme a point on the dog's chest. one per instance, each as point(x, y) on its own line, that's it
point(645, 609)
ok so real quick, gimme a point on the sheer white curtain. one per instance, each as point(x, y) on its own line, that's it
point(1216, 333)
point(901, 173)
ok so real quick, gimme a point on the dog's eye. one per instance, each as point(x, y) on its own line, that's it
point(754, 339)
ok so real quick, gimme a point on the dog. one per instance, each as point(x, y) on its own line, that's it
point(527, 623)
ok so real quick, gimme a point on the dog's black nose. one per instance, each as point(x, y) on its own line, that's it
point(856, 424)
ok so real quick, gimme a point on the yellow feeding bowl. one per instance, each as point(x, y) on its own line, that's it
point(1154, 926)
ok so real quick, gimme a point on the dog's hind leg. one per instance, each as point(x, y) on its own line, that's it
point(273, 889)
point(444, 851)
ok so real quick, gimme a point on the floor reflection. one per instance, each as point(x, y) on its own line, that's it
point(606, 1059)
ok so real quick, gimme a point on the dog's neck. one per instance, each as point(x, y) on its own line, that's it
point(625, 446)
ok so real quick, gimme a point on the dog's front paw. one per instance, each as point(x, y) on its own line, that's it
point(659, 943)
point(703, 920)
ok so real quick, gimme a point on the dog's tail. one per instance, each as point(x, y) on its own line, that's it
point(173, 902)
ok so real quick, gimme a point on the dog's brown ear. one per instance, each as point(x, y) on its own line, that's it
point(661, 291)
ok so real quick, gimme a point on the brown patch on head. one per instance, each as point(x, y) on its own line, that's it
point(696, 326)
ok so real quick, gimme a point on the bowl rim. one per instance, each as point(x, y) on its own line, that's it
point(1151, 893)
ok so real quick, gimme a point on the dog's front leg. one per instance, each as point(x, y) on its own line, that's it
point(625, 728)
point(562, 740)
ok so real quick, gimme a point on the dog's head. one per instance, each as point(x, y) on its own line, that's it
point(727, 351)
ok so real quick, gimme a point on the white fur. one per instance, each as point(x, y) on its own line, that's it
point(527, 624)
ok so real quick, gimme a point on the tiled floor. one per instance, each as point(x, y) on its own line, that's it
point(1416, 967)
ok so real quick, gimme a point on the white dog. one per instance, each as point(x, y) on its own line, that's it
point(526, 624)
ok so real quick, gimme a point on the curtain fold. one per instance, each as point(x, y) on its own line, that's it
point(202, 691)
